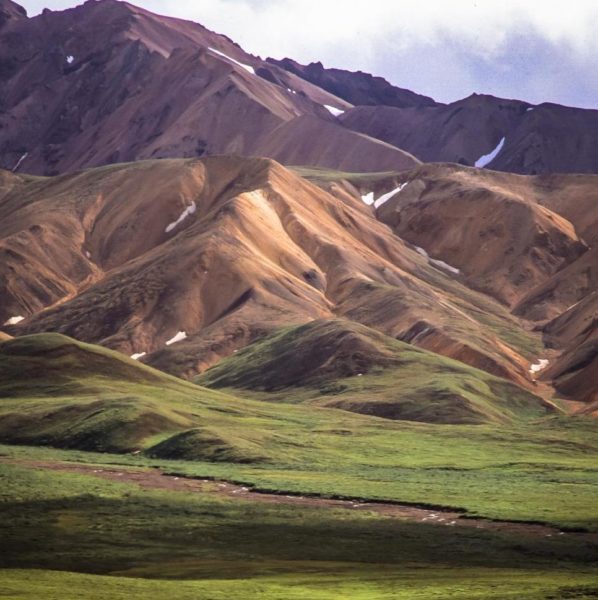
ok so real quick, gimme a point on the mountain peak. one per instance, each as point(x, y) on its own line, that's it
point(10, 11)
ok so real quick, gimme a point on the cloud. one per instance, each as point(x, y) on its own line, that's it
point(444, 49)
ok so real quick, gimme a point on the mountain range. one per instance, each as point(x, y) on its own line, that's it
point(168, 195)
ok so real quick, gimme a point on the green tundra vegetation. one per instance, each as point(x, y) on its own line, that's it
point(73, 534)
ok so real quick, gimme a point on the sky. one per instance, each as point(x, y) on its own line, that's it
point(534, 50)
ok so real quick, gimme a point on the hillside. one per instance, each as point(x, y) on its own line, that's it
point(108, 82)
point(504, 135)
point(231, 249)
point(495, 228)
point(339, 364)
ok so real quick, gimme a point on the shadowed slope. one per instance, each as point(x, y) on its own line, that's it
point(514, 136)
point(345, 365)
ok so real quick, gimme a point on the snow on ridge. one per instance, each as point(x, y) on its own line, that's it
point(188, 211)
point(14, 169)
point(337, 112)
point(486, 159)
point(138, 356)
point(240, 64)
point(386, 197)
point(179, 337)
point(14, 320)
point(446, 266)
point(437, 263)
point(539, 366)
point(368, 198)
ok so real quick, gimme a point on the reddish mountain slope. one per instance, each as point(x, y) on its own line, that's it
point(358, 88)
point(222, 250)
point(514, 135)
point(487, 225)
point(108, 82)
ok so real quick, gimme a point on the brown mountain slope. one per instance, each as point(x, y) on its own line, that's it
point(187, 260)
point(487, 225)
point(108, 82)
point(358, 88)
point(495, 229)
point(575, 372)
point(10, 11)
point(543, 139)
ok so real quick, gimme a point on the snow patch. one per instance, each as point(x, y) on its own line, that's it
point(240, 64)
point(386, 197)
point(14, 169)
point(188, 211)
point(442, 265)
point(70, 59)
point(488, 158)
point(88, 254)
point(14, 320)
point(179, 337)
point(437, 263)
point(291, 91)
point(530, 108)
point(368, 198)
point(539, 366)
point(138, 356)
point(337, 112)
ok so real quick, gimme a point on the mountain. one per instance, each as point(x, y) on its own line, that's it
point(358, 88)
point(108, 82)
point(504, 135)
point(182, 261)
point(10, 11)
point(189, 260)
point(496, 229)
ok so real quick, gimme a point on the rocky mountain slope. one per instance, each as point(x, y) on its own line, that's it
point(189, 260)
point(504, 135)
point(107, 82)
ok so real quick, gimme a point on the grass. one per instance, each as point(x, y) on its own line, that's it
point(70, 535)
point(322, 174)
point(503, 472)
point(354, 584)
point(341, 364)
point(67, 536)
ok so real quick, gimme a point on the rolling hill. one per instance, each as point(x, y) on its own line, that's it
point(339, 364)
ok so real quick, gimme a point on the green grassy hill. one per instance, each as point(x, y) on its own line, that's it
point(341, 364)
point(59, 392)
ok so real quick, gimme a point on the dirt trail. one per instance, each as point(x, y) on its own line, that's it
point(155, 479)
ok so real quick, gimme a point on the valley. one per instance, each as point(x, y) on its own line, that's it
point(284, 331)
